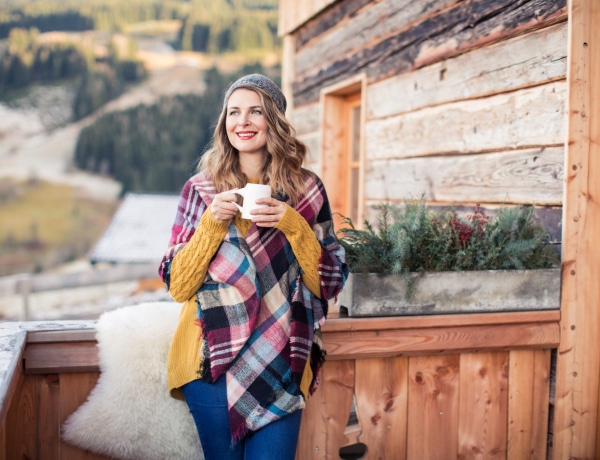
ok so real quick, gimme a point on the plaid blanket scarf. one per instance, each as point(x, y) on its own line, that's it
point(260, 323)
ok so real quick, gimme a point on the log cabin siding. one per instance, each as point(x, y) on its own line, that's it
point(401, 36)
point(471, 111)
point(522, 62)
point(520, 176)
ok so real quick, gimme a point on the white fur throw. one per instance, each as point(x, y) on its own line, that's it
point(129, 413)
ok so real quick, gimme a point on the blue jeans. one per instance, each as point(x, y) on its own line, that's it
point(208, 404)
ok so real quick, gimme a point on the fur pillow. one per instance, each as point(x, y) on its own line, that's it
point(129, 413)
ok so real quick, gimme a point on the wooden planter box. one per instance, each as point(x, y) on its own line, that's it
point(452, 292)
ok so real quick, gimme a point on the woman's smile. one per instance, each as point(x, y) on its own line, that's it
point(245, 135)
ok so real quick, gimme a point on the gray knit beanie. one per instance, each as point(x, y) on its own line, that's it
point(262, 82)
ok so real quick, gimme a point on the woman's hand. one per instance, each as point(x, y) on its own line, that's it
point(223, 207)
point(270, 215)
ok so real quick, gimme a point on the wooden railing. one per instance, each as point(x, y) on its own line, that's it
point(26, 285)
point(454, 386)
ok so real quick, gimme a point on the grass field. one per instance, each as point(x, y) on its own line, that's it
point(43, 225)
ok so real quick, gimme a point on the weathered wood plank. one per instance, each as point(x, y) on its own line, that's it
point(520, 176)
point(358, 24)
point(532, 117)
point(313, 143)
point(338, 14)
point(483, 405)
point(433, 407)
point(293, 13)
point(381, 405)
point(35, 283)
point(306, 119)
point(327, 412)
point(578, 358)
point(454, 31)
point(43, 358)
point(442, 340)
point(521, 62)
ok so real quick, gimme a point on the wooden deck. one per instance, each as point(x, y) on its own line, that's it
point(452, 386)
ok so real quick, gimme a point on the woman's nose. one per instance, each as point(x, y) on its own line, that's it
point(244, 120)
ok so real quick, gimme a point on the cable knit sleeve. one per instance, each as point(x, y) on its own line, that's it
point(190, 265)
point(305, 245)
point(308, 226)
point(195, 238)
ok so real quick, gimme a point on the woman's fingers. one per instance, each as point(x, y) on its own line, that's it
point(271, 214)
point(223, 208)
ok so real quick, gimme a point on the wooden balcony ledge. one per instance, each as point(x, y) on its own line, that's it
point(13, 339)
point(419, 385)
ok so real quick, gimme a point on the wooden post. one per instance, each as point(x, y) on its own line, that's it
point(24, 288)
point(578, 364)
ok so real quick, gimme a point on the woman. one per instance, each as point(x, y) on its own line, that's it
point(247, 350)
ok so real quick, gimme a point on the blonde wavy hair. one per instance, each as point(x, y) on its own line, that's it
point(282, 169)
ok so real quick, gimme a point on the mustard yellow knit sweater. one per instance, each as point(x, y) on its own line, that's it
point(189, 268)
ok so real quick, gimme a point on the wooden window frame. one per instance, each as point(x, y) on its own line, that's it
point(337, 101)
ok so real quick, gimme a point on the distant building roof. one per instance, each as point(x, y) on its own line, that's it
point(140, 230)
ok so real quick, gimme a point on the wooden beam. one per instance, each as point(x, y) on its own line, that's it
point(578, 361)
point(441, 340)
point(347, 325)
point(44, 358)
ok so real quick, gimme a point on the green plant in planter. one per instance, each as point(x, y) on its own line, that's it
point(413, 239)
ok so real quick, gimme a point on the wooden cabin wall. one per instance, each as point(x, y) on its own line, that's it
point(465, 101)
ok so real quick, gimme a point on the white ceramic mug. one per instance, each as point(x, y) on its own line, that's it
point(251, 193)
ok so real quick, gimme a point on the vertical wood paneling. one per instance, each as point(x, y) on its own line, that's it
point(540, 404)
point(49, 417)
point(21, 428)
point(381, 406)
point(578, 358)
point(433, 407)
point(327, 412)
point(520, 395)
point(74, 390)
point(3, 442)
point(483, 407)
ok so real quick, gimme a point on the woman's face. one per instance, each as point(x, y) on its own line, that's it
point(245, 123)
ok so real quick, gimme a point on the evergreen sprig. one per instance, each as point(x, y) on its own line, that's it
point(414, 239)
